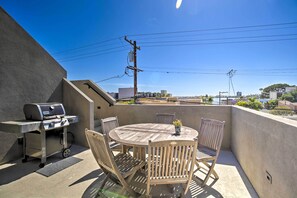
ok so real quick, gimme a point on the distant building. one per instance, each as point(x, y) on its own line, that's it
point(163, 92)
point(114, 95)
point(126, 93)
point(289, 89)
point(273, 95)
point(239, 94)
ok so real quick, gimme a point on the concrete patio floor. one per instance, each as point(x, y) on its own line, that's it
point(19, 179)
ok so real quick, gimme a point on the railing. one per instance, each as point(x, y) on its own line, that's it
point(102, 96)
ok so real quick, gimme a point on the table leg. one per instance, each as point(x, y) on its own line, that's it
point(139, 152)
point(124, 149)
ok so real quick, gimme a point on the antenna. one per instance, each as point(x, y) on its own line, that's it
point(231, 73)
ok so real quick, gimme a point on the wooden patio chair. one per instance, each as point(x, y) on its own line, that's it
point(209, 144)
point(119, 168)
point(107, 125)
point(165, 118)
point(171, 162)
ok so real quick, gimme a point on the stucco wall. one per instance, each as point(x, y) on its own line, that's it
point(77, 103)
point(189, 114)
point(27, 74)
point(262, 142)
point(102, 109)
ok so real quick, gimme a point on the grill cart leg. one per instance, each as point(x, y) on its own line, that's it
point(43, 147)
point(24, 149)
point(65, 151)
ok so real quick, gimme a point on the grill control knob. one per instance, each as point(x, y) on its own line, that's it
point(51, 107)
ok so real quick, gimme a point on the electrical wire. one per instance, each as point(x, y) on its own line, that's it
point(87, 46)
point(216, 43)
point(89, 56)
point(267, 72)
point(81, 53)
point(95, 53)
point(117, 76)
point(213, 33)
point(226, 38)
point(214, 29)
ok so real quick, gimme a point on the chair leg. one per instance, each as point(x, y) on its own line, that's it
point(103, 183)
point(148, 187)
point(211, 170)
point(127, 188)
point(198, 166)
point(187, 188)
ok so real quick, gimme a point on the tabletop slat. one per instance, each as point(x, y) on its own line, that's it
point(140, 134)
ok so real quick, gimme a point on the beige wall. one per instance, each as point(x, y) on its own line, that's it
point(189, 114)
point(262, 142)
point(77, 103)
point(102, 109)
point(27, 74)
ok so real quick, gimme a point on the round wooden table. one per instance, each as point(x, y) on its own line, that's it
point(138, 135)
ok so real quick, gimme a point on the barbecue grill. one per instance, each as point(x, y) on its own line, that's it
point(42, 120)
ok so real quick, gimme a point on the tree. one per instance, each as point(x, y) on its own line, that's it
point(275, 87)
point(294, 94)
point(210, 99)
point(291, 96)
point(288, 97)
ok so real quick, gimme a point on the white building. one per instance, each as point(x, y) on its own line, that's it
point(273, 95)
point(126, 93)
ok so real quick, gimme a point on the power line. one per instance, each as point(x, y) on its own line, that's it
point(215, 29)
point(223, 71)
point(226, 38)
point(79, 58)
point(86, 46)
point(183, 72)
point(214, 33)
point(216, 43)
point(265, 73)
point(117, 76)
point(94, 53)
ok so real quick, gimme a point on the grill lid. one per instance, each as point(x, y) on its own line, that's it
point(43, 111)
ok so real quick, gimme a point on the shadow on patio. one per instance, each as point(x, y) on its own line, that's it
point(81, 179)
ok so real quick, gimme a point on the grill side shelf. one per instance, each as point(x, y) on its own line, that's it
point(22, 126)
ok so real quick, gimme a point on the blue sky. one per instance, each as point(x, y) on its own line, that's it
point(187, 51)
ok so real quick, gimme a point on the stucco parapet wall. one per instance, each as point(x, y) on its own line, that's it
point(269, 116)
point(189, 114)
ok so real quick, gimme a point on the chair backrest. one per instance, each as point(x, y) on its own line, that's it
point(108, 124)
point(165, 118)
point(171, 161)
point(99, 146)
point(211, 134)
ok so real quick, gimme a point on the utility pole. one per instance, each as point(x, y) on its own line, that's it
point(135, 69)
point(231, 74)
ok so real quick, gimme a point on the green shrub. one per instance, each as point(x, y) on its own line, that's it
point(282, 110)
point(271, 104)
point(252, 103)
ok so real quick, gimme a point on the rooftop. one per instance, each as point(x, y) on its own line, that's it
point(80, 176)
